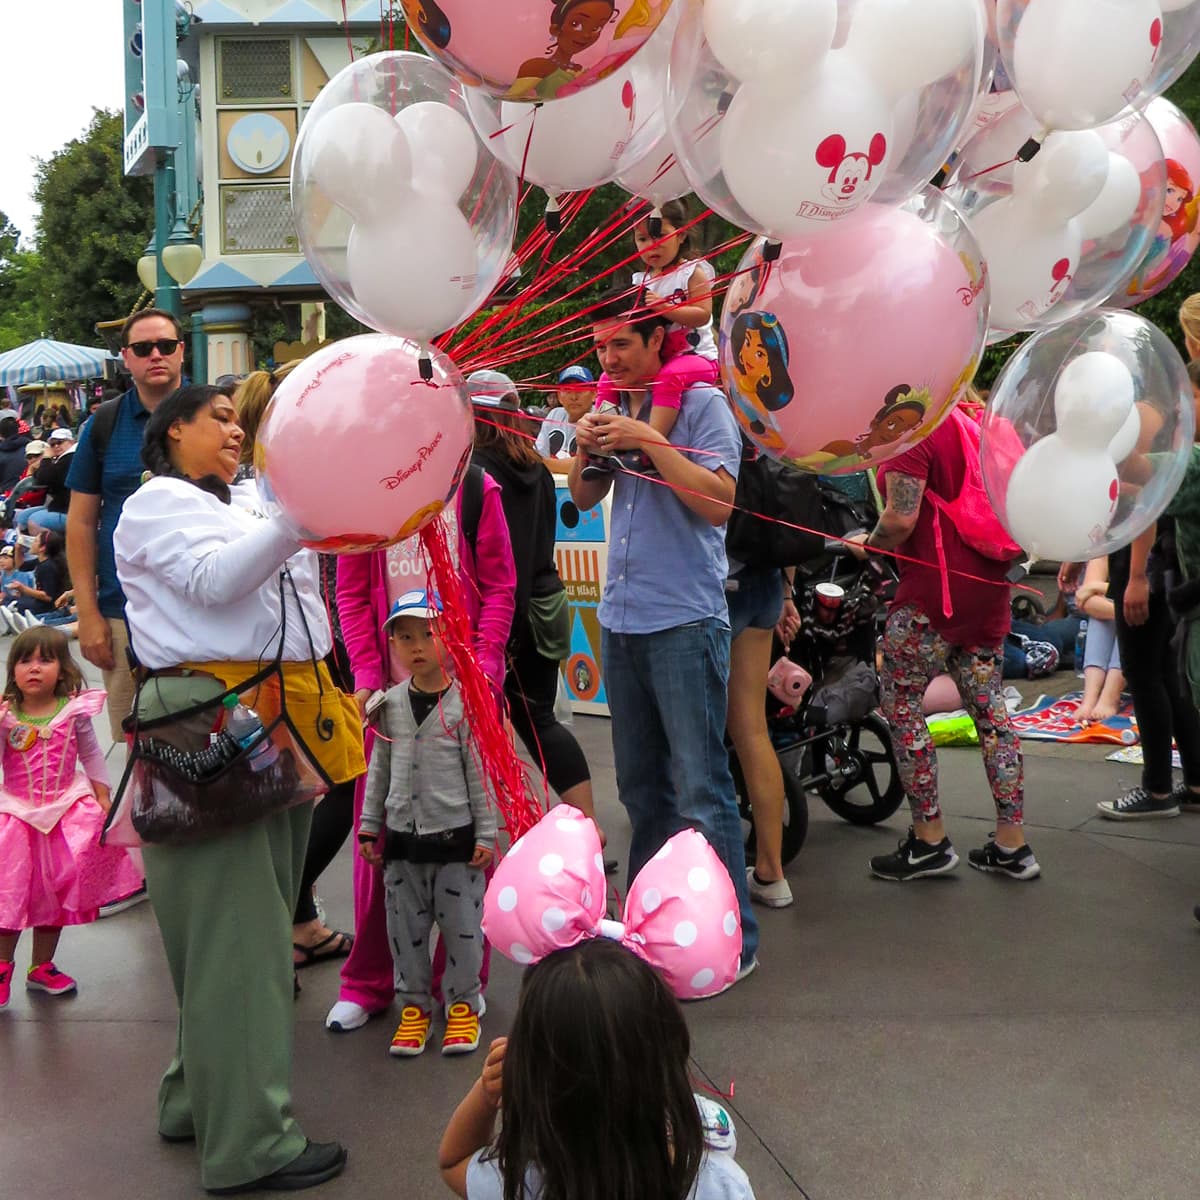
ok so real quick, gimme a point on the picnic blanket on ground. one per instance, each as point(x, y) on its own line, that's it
point(1049, 719)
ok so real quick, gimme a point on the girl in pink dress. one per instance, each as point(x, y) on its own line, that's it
point(53, 870)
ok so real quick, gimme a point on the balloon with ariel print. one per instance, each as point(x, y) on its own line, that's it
point(1177, 234)
point(532, 51)
point(1087, 434)
point(854, 344)
point(343, 493)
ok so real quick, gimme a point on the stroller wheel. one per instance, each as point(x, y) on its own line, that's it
point(795, 812)
point(865, 787)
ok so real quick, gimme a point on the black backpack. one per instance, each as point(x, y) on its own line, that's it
point(767, 488)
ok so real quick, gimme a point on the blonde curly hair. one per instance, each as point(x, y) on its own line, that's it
point(251, 399)
point(1189, 321)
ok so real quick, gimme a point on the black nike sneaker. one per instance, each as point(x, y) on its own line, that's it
point(915, 859)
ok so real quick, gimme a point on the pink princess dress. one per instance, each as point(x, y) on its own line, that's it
point(53, 870)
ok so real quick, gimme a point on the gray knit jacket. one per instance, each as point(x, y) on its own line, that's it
point(423, 779)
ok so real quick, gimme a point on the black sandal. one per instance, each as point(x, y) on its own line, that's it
point(314, 955)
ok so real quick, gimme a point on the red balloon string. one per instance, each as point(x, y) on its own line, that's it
point(501, 770)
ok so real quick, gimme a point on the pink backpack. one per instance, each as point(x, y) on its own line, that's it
point(971, 512)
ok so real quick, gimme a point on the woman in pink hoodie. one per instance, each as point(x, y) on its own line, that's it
point(367, 584)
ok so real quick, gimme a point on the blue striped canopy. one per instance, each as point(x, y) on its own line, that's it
point(45, 361)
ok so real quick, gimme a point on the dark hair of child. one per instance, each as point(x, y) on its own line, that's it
point(596, 1095)
point(675, 213)
point(47, 642)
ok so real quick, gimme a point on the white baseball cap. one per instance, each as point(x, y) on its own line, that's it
point(417, 603)
point(492, 389)
point(62, 435)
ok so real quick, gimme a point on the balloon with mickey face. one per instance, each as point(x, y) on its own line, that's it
point(789, 115)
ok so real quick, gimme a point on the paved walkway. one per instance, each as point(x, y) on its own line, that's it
point(966, 1037)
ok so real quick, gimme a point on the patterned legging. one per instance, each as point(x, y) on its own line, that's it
point(913, 653)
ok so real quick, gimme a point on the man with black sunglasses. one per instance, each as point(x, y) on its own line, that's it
point(101, 479)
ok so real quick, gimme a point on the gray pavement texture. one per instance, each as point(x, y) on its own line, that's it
point(961, 1037)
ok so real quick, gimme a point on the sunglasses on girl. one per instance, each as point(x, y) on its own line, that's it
point(165, 347)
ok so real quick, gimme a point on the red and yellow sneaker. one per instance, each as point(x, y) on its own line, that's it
point(46, 977)
point(412, 1032)
point(6, 974)
point(462, 1030)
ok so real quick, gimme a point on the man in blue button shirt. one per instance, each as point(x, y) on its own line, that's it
point(101, 480)
point(663, 617)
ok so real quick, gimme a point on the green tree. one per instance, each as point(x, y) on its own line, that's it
point(22, 313)
point(93, 226)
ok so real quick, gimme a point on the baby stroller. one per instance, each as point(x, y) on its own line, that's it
point(832, 741)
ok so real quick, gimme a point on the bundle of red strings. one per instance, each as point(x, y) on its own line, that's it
point(501, 770)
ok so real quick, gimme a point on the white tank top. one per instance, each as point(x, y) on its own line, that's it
point(672, 284)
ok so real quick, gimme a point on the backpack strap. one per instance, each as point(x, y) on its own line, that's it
point(103, 422)
point(471, 510)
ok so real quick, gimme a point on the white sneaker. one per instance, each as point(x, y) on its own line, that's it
point(345, 1016)
point(773, 895)
point(126, 902)
point(7, 624)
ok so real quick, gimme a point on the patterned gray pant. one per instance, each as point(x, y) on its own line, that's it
point(418, 894)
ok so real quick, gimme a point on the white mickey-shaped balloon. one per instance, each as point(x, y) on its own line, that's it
point(1030, 264)
point(1117, 204)
point(1063, 492)
point(358, 156)
point(1077, 63)
point(931, 38)
point(776, 42)
point(813, 156)
point(1092, 400)
point(1064, 178)
point(443, 147)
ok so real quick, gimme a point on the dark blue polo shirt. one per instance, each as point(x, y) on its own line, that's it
point(114, 484)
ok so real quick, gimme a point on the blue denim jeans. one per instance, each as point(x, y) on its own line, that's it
point(667, 695)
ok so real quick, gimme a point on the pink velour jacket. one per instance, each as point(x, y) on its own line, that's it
point(489, 579)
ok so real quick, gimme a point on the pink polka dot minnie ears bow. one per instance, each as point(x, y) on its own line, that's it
point(681, 914)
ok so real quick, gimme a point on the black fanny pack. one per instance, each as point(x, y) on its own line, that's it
point(446, 846)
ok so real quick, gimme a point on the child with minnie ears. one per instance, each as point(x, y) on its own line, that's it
point(592, 1080)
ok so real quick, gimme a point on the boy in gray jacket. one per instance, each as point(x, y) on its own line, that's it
point(425, 797)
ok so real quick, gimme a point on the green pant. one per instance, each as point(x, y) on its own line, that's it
point(224, 907)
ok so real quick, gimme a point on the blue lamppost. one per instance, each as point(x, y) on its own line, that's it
point(160, 137)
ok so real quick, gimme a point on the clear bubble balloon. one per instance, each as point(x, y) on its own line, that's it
point(782, 143)
point(855, 343)
point(1077, 64)
point(526, 51)
point(1087, 434)
point(346, 493)
point(589, 137)
point(1064, 231)
point(401, 212)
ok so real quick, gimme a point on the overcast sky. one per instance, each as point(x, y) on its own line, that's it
point(59, 59)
